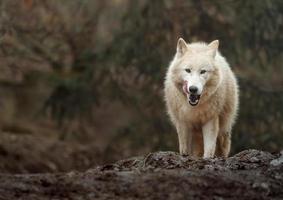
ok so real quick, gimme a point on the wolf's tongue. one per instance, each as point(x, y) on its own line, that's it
point(185, 90)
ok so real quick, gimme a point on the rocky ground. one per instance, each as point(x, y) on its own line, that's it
point(250, 174)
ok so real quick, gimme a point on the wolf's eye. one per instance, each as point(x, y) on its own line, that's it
point(188, 70)
point(203, 71)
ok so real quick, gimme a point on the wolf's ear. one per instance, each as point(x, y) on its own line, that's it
point(182, 47)
point(214, 44)
point(213, 47)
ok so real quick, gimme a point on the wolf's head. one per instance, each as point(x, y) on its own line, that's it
point(194, 71)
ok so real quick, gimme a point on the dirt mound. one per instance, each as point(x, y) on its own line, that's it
point(250, 174)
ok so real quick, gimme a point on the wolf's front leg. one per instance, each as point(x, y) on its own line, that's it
point(185, 139)
point(210, 131)
point(224, 137)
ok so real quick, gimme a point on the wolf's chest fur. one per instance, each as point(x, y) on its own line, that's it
point(199, 114)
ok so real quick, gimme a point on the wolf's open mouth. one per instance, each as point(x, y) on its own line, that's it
point(193, 99)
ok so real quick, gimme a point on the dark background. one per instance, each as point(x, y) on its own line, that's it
point(81, 81)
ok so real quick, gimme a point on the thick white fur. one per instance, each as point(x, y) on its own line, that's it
point(205, 129)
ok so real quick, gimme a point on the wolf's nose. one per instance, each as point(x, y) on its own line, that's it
point(193, 89)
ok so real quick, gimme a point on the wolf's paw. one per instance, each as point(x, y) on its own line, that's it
point(185, 152)
point(209, 157)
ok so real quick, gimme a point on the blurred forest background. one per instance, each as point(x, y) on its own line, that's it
point(81, 81)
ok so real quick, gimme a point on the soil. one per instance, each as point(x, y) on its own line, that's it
point(250, 174)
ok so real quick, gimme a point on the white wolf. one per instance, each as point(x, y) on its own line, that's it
point(201, 95)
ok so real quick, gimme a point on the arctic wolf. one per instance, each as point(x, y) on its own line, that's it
point(201, 95)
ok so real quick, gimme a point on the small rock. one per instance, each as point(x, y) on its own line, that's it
point(277, 162)
point(261, 185)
